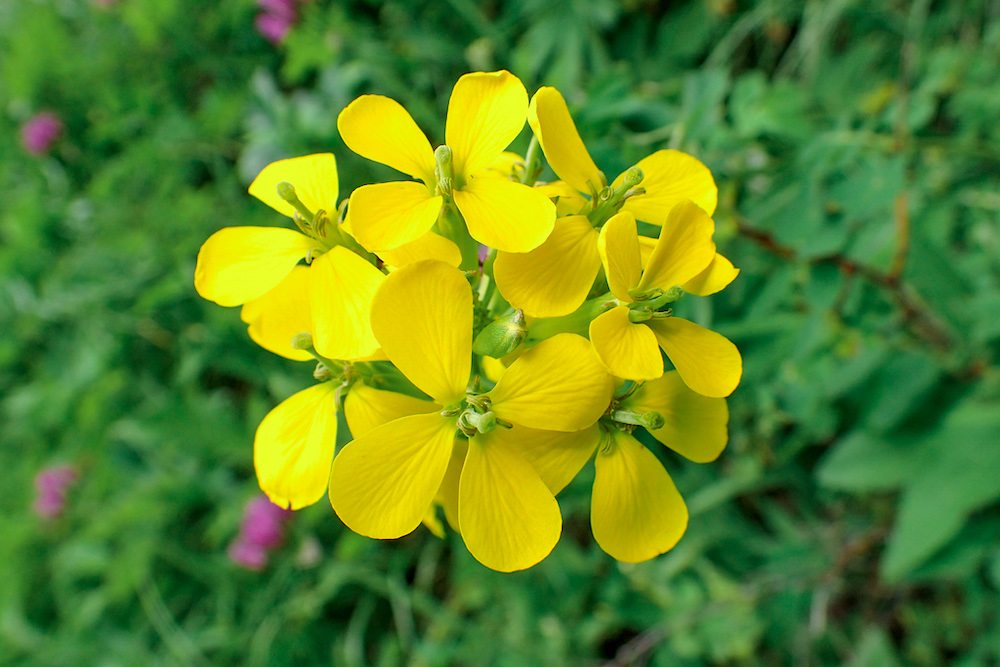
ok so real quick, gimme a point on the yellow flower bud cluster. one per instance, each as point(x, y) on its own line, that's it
point(485, 335)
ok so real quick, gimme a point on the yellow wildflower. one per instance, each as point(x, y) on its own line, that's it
point(486, 112)
point(628, 337)
point(554, 279)
point(383, 482)
point(636, 511)
point(237, 265)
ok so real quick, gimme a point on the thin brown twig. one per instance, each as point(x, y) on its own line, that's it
point(916, 315)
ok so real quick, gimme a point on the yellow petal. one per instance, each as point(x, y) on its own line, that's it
point(314, 178)
point(707, 362)
point(669, 177)
point(556, 457)
point(506, 165)
point(383, 482)
point(366, 408)
point(384, 216)
point(636, 512)
point(341, 287)
point(422, 316)
point(619, 248)
point(380, 129)
point(428, 246)
point(447, 494)
point(629, 350)
point(492, 368)
point(564, 150)
point(567, 200)
point(684, 249)
point(508, 517)
point(278, 315)
point(294, 445)
point(237, 264)
point(433, 523)
point(695, 425)
point(715, 278)
point(505, 215)
point(558, 385)
point(554, 278)
point(485, 113)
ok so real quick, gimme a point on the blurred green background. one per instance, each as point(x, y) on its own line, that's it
point(854, 517)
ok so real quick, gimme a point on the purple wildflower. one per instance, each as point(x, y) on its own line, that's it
point(51, 484)
point(40, 132)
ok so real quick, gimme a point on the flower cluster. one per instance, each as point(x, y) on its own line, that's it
point(52, 484)
point(476, 386)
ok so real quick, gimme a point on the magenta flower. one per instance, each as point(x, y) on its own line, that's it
point(40, 132)
point(262, 529)
point(273, 27)
point(52, 484)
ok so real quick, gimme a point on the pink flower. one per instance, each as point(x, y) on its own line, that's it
point(40, 132)
point(51, 484)
point(273, 27)
point(250, 556)
point(262, 529)
point(279, 8)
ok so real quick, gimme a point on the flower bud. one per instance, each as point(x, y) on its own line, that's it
point(501, 336)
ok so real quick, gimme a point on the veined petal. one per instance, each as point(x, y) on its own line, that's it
point(237, 264)
point(422, 316)
point(341, 287)
point(707, 362)
point(508, 517)
point(380, 129)
point(278, 315)
point(428, 246)
point(669, 177)
point(564, 150)
point(384, 216)
point(383, 482)
point(366, 408)
point(556, 457)
point(505, 215)
point(558, 385)
point(503, 166)
point(485, 113)
point(695, 425)
point(554, 278)
point(447, 495)
point(715, 278)
point(684, 249)
point(619, 248)
point(294, 445)
point(567, 200)
point(636, 512)
point(314, 178)
point(628, 349)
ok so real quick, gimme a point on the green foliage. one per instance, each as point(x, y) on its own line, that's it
point(853, 518)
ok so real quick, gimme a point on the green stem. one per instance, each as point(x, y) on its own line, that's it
point(451, 225)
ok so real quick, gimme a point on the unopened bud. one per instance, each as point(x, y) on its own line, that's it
point(633, 177)
point(302, 341)
point(653, 420)
point(501, 336)
point(322, 372)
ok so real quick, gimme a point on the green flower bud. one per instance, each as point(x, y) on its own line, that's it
point(501, 336)
point(302, 341)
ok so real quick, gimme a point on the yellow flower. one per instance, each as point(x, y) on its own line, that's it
point(554, 279)
point(384, 481)
point(636, 512)
point(238, 265)
point(486, 112)
point(628, 337)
